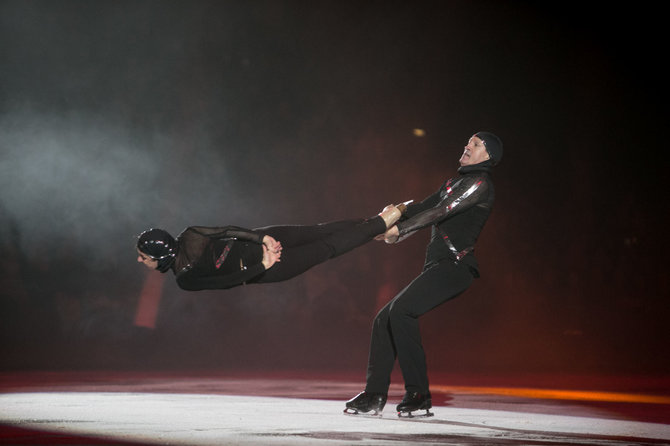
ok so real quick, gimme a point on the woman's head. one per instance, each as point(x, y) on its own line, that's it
point(157, 249)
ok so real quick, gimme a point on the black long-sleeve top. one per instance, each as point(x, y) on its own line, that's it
point(217, 257)
point(457, 212)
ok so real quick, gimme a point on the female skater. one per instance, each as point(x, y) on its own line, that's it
point(204, 258)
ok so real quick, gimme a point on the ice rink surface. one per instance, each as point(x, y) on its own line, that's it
point(147, 410)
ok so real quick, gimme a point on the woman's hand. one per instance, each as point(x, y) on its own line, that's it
point(271, 244)
point(270, 257)
point(271, 251)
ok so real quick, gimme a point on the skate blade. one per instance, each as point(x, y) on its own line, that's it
point(351, 411)
point(411, 415)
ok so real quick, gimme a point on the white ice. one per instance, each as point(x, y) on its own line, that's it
point(196, 419)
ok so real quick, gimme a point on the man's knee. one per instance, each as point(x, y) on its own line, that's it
point(382, 317)
point(399, 311)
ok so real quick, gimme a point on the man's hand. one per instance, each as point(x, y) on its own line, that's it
point(392, 234)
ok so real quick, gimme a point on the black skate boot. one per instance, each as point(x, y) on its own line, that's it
point(414, 401)
point(365, 402)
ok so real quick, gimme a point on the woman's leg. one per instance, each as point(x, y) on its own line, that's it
point(295, 235)
point(295, 260)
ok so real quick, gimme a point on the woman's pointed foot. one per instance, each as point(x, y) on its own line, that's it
point(402, 207)
point(390, 214)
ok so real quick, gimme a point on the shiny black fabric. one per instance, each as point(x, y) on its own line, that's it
point(458, 210)
point(160, 246)
point(200, 247)
point(494, 146)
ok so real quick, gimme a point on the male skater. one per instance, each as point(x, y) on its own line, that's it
point(457, 213)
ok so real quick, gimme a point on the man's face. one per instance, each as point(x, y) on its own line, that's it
point(146, 260)
point(474, 152)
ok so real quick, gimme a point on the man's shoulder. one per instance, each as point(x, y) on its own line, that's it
point(476, 177)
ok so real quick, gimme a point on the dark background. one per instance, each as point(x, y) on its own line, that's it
point(117, 116)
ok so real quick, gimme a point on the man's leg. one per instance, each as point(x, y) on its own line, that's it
point(433, 287)
point(380, 365)
point(382, 355)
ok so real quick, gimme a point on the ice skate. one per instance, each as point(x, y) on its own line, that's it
point(366, 402)
point(415, 401)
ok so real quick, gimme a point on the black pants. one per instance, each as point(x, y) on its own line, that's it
point(395, 331)
point(308, 246)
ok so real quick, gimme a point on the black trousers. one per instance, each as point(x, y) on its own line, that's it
point(395, 330)
point(308, 246)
